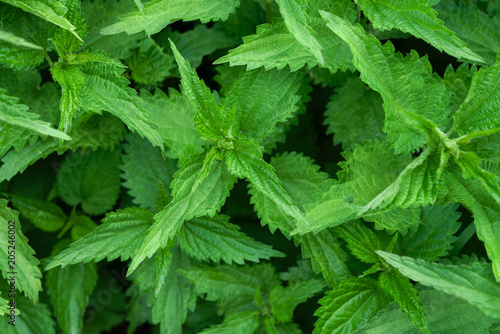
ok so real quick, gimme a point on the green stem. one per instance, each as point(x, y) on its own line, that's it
point(51, 64)
point(269, 11)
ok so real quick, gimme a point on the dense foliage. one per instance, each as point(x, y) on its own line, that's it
point(148, 200)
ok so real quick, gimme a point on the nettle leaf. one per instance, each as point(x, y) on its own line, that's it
point(362, 242)
point(275, 46)
point(479, 30)
point(107, 90)
point(419, 19)
point(244, 322)
point(355, 103)
point(32, 29)
point(246, 161)
point(91, 179)
point(445, 314)
point(143, 179)
point(119, 236)
point(481, 109)
point(99, 14)
point(475, 283)
point(485, 210)
point(262, 99)
point(176, 297)
point(217, 239)
point(434, 235)
point(373, 178)
point(298, 24)
point(402, 291)
point(69, 289)
point(158, 14)
point(32, 319)
point(349, 306)
point(149, 65)
point(17, 114)
point(49, 10)
point(174, 115)
point(188, 202)
point(73, 82)
point(27, 274)
point(212, 121)
point(64, 41)
point(234, 288)
point(45, 216)
point(406, 84)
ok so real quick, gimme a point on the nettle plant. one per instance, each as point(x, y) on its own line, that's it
point(140, 195)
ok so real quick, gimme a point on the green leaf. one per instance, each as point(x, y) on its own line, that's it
point(64, 41)
point(211, 119)
point(369, 171)
point(479, 30)
point(283, 300)
point(73, 82)
point(189, 202)
point(434, 235)
point(149, 65)
point(32, 319)
point(49, 10)
point(469, 163)
point(246, 161)
point(244, 322)
point(258, 113)
point(107, 90)
point(418, 184)
point(32, 29)
point(275, 46)
point(143, 179)
point(406, 84)
point(361, 240)
point(217, 239)
point(69, 289)
point(458, 83)
point(174, 115)
point(474, 283)
point(349, 306)
point(404, 295)
point(445, 314)
point(298, 24)
point(419, 19)
point(27, 274)
point(18, 41)
point(158, 14)
point(99, 14)
point(485, 210)
point(326, 255)
point(233, 287)
point(170, 306)
point(91, 179)
point(119, 236)
point(354, 103)
point(45, 216)
point(17, 114)
point(481, 109)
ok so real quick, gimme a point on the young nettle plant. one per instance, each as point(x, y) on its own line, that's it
point(396, 229)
